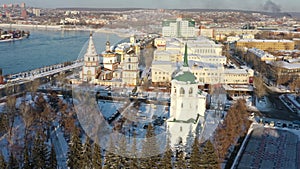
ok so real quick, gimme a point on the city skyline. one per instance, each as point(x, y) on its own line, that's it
point(256, 5)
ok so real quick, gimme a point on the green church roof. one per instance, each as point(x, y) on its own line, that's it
point(186, 76)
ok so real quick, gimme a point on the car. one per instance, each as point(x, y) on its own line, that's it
point(290, 125)
point(296, 122)
point(279, 124)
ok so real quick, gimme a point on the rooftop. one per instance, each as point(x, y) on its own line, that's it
point(186, 76)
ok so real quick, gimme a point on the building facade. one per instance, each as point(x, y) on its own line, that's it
point(179, 28)
point(266, 45)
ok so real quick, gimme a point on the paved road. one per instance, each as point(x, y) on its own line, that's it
point(279, 110)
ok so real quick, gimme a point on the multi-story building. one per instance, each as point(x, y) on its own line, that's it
point(171, 49)
point(179, 28)
point(266, 45)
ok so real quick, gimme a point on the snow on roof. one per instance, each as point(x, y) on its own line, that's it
point(285, 65)
point(235, 71)
point(260, 53)
point(264, 40)
point(203, 65)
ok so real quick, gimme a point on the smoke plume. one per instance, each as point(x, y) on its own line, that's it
point(270, 6)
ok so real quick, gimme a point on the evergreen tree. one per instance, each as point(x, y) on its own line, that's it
point(195, 155)
point(133, 161)
point(167, 158)
point(150, 150)
point(4, 123)
point(52, 159)
point(111, 159)
point(208, 158)
point(122, 153)
point(12, 163)
point(180, 158)
point(75, 150)
point(2, 162)
point(87, 154)
point(96, 157)
point(26, 158)
point(39, 153)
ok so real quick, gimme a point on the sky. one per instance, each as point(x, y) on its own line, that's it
point(257, 5)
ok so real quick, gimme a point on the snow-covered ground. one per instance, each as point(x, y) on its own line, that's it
point(108, 108)
point(2, 107)
point(210, 125)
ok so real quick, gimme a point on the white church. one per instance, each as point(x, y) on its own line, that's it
point(187, 108)
point(118, 73)
point(91, 63)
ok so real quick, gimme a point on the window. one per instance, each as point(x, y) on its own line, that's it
point(180, 128)
point(182, 92)
point(191, 92)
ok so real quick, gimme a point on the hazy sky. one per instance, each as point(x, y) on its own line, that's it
point(284, 5)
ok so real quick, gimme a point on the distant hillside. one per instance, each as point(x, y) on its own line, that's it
point(295, 14)
point(279, 14)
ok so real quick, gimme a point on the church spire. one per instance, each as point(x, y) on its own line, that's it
point(91, 50)
point(185, 61)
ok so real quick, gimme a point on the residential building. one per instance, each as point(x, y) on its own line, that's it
point(179, 28)
point(266, 45)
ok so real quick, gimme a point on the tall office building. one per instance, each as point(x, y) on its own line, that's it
point(179, 28)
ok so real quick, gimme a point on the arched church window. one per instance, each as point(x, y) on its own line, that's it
point(174, 90)
point(181, 105)
point(180, 128)
point(191, 92)
point(88, 59)
point(129, 67)
point(129, 60)
point(182, 92)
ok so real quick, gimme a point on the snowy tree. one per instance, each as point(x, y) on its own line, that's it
point(133, 161)
point(40, 152)
point(87, 154)
point(150, 149)
point(75, 150)
point(122, 153)
point(52, 161)
point(195, 155)
point(111, 159)
point(26, 158)
point(180, 157)
point(96, 156)
point(13, 163)
point(3, 163)
point(167, 158)
point(208, 158)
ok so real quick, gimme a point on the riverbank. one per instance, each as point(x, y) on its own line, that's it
point(118, 32)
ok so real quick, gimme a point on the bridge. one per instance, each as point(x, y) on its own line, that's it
point(18, 82)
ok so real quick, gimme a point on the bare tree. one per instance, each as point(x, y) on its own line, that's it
point(260, 89)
